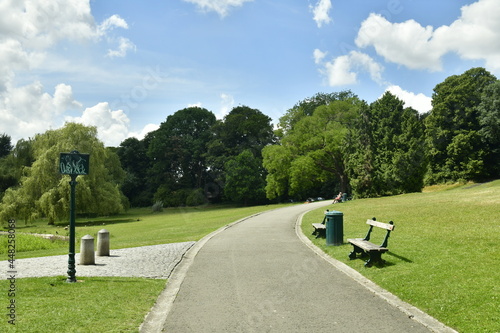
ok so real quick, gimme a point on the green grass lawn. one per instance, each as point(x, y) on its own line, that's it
point(444, 251)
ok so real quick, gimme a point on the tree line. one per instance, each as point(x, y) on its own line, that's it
point(324, 144)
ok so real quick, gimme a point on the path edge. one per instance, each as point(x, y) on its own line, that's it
point(411, 311)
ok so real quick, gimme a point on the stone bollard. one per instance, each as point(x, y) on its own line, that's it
point(87, 251)
point(103, 243)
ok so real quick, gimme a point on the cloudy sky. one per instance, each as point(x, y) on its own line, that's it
point(124, 66)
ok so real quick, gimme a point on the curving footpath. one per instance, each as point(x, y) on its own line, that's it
point(257, 275)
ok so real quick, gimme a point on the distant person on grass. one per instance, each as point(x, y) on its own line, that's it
point(338, 198)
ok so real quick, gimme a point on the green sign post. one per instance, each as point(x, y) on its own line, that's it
point(73, 164)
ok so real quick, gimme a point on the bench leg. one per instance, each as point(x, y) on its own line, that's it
point(355, 251)
point(319, 233)
point(375, 257)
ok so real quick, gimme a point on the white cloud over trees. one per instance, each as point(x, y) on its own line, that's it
point(419, 102)
point(29, 30)
point(344, 70)
point(473, 36)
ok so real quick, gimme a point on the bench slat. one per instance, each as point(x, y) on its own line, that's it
point(319, 226)
point(366, 245)
point(386, 226)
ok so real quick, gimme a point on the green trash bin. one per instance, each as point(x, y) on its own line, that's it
point(334, 228)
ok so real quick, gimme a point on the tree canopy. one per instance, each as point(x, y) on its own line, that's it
point(385, 149)
point(44, 192)
point(455, 149)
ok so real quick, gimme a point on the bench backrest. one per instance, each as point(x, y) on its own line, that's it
point(388, 226)
point(374, 223)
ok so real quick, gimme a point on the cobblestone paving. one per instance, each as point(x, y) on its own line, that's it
point(155, 261)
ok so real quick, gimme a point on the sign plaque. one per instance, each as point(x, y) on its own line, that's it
point(74, 163)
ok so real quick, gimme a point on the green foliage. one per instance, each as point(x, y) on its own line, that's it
point(157, 207)
point(196, 198)
point(27, 243)
point(455, 149)
point(136, 186)
point(5, 145)
point(245, 179)
point(489, 120)
point(385, 150)
point(44, 192)
point(277, 161)
point(311, 150)
point(307, 107)
point(13, 164)
point(178, 154)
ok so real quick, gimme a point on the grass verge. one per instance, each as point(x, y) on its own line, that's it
point(94, 304)
point(443, 254)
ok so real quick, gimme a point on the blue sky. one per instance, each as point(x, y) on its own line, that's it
point(124, 66)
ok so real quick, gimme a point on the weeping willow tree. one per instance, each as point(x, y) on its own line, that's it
point(44, 192)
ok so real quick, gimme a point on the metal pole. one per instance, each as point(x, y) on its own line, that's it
point(71, 258)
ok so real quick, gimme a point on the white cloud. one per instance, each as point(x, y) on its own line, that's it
point(124, 46)
point(322, 12)
point(40, 24)
point(28, 110)
point(227, 104)
point(195, 105)
point(112, 126)
point(114, 21)
point(406, 43)
point(222, 7)
point(28, 32)
point(344, 70)
point(419, 102)
point(319, 56)
point(474, 35)
point(142, 134)
point(63, 98)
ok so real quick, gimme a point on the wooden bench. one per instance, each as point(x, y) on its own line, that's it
point(320, 228)
point(365, 247)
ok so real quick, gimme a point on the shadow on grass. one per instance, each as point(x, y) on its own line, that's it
point(399, 257)
point(105, 222)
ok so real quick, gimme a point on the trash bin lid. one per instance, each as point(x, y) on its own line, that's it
point(333, 213)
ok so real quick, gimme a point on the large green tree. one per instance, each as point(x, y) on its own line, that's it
point(243, 128)
point(245, 179)
point(385, 149)
point(312, 152)
point(307, 106)
point(134, 160)
point(5, 145)
point(489, 120)
point(178, 154)
point(455, 149)
point(44, 192)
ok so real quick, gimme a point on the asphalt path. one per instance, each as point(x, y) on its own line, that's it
point(258, 276)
